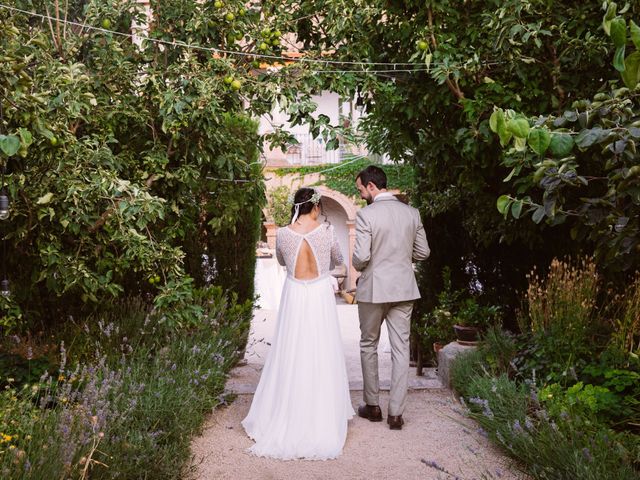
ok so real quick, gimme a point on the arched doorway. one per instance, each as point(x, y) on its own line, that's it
point(341, 212)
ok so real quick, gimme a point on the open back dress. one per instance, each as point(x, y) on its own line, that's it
point(302, 404)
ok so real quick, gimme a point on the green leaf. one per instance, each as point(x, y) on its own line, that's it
point(587, 138)
point(538, 214)
point(9, 144)
point(539, 140)
point(631, 74)
point(561, 144)
point(46, 198)
point(503, 203)
point(514, 171)
point(619, 32)
point(611, 13)
point(25, 136)
point(520, 144)
point(496, 117)
point(498, 124)
point(516, 209)
point(519, 127)
point(635, 34)
point(618, 59)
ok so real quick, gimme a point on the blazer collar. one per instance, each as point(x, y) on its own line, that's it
point(384, 198)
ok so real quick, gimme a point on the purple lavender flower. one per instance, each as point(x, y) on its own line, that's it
point(587, 454)
point(528, 424)
point(432, 464)
point(517, 428)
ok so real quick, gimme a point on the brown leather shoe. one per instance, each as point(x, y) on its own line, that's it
point(395, 422)
point(370, 412)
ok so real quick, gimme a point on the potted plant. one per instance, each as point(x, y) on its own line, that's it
point(438, 328)
point(471, 319)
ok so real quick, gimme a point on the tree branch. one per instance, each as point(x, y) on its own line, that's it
point(452, 84)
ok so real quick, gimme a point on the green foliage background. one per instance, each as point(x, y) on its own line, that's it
point(534, 56)
point(124, 165)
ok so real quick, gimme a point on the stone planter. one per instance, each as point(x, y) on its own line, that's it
point(467, 335)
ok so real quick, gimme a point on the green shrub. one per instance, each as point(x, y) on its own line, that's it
point(466, 368)
point(279, 207)
point(499, 348)
point(561, 323)
point(131, 406)
point(547, 446)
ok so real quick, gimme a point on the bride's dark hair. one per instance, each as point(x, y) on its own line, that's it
point(303, 197)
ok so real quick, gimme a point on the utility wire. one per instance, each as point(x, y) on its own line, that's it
point(175, 43)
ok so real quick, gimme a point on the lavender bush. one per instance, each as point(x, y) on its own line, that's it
point(130, 407)
point(547, 447)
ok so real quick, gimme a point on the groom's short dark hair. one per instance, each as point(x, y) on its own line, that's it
point(374, 175)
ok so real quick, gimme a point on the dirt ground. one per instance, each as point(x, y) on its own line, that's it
point(437, 441)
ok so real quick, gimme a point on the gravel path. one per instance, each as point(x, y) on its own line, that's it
point(437, 441)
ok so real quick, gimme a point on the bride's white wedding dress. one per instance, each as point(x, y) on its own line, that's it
point(302, 403)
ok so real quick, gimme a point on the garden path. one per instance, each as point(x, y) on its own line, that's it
point(436, 437)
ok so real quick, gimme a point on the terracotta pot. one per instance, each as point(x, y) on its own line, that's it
point(466, 335)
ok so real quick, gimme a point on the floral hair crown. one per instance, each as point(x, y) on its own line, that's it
point(315, 199)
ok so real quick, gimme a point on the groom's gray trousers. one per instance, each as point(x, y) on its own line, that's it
point(398, 317)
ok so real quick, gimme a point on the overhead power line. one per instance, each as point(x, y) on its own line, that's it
point(176, 43)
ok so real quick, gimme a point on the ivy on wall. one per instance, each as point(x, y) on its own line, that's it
point(341, 177)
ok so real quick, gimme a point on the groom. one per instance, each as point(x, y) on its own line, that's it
point(389, 236)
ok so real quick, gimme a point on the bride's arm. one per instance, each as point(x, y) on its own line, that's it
point(279, 240)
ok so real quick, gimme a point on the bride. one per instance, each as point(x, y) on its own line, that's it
point(302, 403)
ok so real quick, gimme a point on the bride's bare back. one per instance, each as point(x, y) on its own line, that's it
point(306, 265)
point(308, 251)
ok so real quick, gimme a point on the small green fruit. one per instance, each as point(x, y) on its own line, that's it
point(275, 42)
point(235, 85)
point(422, 45)
point(242, 12)
point(156, 278)
point(106, 24)
point(229, 16)
point(266, 32)
point(263, 46)
point(255, 64)
point(218, 4)
point(277, 34)
point(53, 141)
point(239, 36)
point(228, 79)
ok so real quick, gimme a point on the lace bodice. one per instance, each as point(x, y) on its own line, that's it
point(322, 241)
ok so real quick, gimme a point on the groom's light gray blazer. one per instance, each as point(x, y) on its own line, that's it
point(389, 236)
